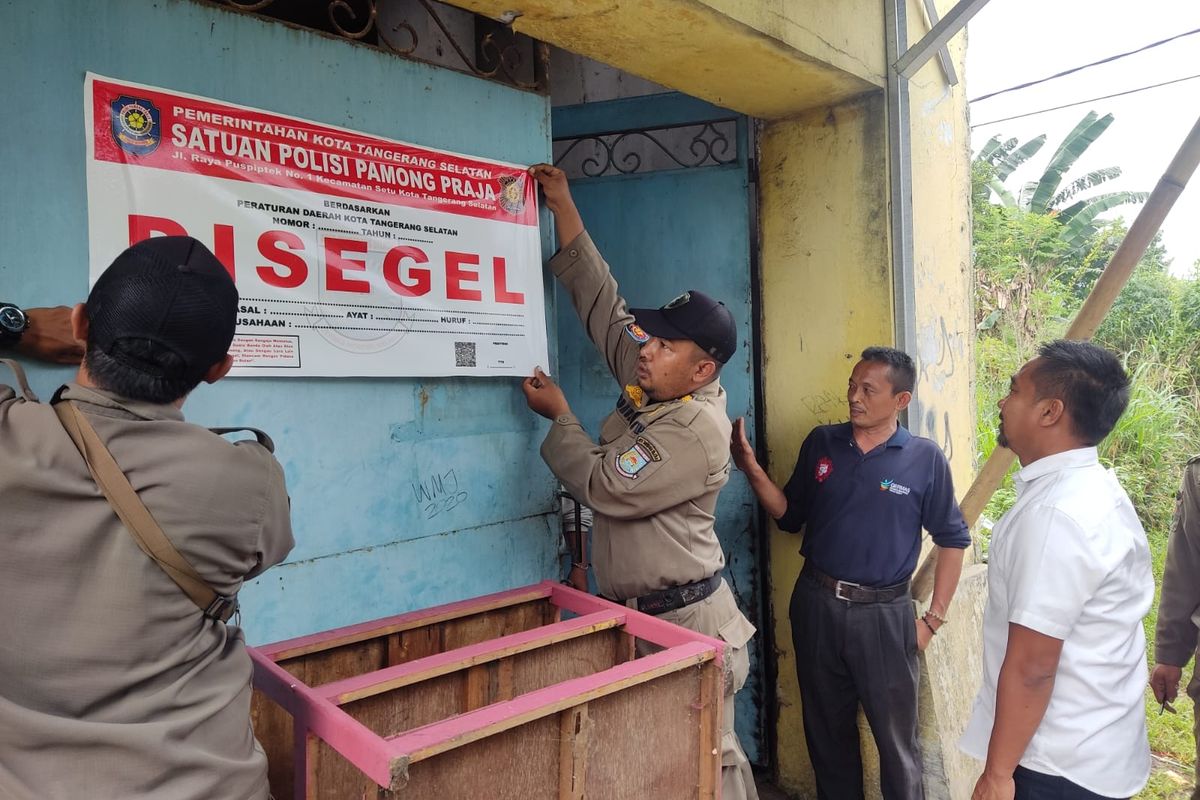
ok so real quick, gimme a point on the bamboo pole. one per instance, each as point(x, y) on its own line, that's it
point(1095, 308)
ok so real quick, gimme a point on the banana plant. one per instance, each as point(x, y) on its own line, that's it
point(1047, 195)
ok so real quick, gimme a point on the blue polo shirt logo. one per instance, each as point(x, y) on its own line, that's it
point(889, 485)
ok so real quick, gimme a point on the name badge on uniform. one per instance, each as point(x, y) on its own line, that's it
point(637, 458)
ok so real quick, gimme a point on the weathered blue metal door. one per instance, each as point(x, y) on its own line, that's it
point(663, 183)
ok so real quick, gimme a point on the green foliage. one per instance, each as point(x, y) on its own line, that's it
point(1083, 136)
point(1146, 312)
point(1047, 196)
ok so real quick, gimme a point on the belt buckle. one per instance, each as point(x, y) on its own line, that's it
point(837, 590)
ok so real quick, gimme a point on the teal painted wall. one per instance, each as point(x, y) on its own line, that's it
point(361, 456)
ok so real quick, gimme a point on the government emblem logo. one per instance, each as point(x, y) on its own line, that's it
point(637, 458)
point(631, 462)
point(512, 193)
point(636, 333)
point(824, 469)
point(135, 125)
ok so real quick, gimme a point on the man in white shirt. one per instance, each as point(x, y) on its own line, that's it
point(1060, 712)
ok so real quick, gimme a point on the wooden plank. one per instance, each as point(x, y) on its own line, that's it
point(574, 735)
point(551, 614)
point(712, 701)
point(643, 626)
point(476, 687)
point(359, 658)
point(651, 736)
point(273, 727)
point(316, 714)
point(520, 764)
point(409, 707)
point(493, 624)
point(504, 680)
point(426, 702)
point(423, 669)
point(298, 785)
point(480, 695)
point(404, 646)
point(628, 647)
point(303, 645)
point(440, 737)
point(331, 777)
point(564, 661)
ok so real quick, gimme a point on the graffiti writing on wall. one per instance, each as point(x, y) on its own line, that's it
point(439, 493)
point(827, 406)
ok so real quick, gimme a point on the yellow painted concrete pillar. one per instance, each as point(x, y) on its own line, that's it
point(827, 294)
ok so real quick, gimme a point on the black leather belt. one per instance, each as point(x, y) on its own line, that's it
point(854, 592)
point(661, 602)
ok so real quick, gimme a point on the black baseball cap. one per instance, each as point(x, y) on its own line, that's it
point(696, 316)
point(169, 290)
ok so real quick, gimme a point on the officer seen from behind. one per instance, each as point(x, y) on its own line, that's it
point(119, 678)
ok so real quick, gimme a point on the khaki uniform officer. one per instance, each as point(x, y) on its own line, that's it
point(113, 682)
point(1175, 637)
point(653, 478)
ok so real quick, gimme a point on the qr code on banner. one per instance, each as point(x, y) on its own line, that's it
point(464, 354)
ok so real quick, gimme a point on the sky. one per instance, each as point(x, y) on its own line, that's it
point(1013, 41)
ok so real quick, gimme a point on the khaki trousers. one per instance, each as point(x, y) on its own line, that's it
point(719, 617)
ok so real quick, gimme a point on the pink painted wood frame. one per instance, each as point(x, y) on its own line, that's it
point(360, 686)
point(336, 637)
point(315, 710)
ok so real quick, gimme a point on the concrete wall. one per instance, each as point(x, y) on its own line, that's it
point(951, 671)
point(763, 59)
point(827, 294)
point(841, 33)
point(941, 168)
point(365, 459)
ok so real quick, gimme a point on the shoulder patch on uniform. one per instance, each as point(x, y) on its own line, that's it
point(648, 447)
point(637, 458)
point(636, 393)
point(636, 333)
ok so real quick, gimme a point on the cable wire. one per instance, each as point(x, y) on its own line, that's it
point(1083, 67)
point(1082, 102)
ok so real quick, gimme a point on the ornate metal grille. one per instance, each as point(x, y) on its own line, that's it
point(420, 30)
point(706, 144)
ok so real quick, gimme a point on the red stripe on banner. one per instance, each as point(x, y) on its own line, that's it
point(148, 128)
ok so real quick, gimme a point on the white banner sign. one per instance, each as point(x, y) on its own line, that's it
point(352, 254)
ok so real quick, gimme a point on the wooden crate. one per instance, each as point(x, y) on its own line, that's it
point(527, 694)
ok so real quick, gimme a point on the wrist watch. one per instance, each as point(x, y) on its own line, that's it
point(13, 323)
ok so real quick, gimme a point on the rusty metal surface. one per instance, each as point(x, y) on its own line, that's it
point(360, 21)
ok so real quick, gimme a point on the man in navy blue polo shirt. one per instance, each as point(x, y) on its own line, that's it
point(864, 490)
